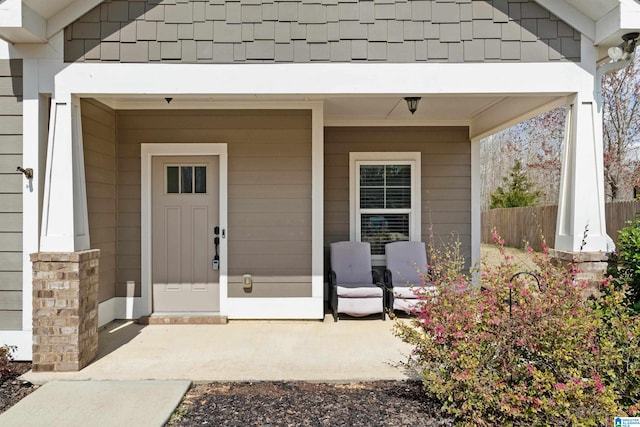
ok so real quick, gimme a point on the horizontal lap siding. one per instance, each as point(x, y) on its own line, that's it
point(445, 180)
point(99, 140)
point(11, 185)
point(269, 177)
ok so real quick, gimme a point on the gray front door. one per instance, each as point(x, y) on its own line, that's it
point(185, 212)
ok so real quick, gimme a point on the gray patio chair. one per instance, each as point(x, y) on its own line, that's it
point(406, 262)
point(354, 288)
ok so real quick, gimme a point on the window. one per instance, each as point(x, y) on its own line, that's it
point(385, 199)
point(186, 179)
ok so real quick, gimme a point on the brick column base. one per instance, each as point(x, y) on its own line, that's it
point(65, 310)
point(592, 266)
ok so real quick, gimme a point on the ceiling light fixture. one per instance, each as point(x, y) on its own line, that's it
point(625, 49)
point(412, 103)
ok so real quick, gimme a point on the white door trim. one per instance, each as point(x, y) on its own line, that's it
point(143, 306)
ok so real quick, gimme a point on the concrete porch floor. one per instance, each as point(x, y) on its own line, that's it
point(242, 350)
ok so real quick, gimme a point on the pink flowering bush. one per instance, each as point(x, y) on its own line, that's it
point(557, 359)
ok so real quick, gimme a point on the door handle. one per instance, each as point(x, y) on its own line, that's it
point(215, 264)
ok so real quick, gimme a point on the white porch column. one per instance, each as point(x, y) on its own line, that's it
point(581, 203)
point(317, 209)
point(65, 226)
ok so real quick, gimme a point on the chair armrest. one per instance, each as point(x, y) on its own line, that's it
point(388, 279)
point(375, 276)
point(332, 278)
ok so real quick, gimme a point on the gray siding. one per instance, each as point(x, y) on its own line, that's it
point(446, 178)
point(11, 184)
point(99, 139)
point(269, 192)
point(218, 31)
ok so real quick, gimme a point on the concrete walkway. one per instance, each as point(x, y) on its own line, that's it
point(142, 372)
point(97, 403)
point(349, 350)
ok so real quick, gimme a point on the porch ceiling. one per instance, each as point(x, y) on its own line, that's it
point(484, 114)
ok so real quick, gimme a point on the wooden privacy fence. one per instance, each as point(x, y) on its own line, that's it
point(519, 225)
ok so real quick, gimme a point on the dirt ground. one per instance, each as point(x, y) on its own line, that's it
point(491, 256)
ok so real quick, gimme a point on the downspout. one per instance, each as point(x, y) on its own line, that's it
point(601, 71)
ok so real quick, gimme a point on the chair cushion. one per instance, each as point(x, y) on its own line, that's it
point(407, 292)
point(406, 305)
point(351, 262)
point(359, 292)
point(406, 261)
point(359, 307)
point(404, 292)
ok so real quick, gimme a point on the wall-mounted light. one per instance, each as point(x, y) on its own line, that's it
point(412, 103)
point(625, 49)
point(28, 172)
point(168, 99)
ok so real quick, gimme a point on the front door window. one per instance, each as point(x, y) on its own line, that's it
point(186, 179)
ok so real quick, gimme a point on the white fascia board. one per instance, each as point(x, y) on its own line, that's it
point(210, 105)
point(571, 16)
point(606, 27)
point(11, 13)
point(34, 23)
point(623, 19)
point(324, 79)
point(68, 15)
point(51, 51)
point(630, 14)
point(21, 24)
point(357, 122)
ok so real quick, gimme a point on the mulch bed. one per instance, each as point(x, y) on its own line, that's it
point(265, 404)
point(13, 389)
point(377, 403)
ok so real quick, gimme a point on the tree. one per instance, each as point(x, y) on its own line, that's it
point(621, 131)
point(537, 143)
point(519, 190)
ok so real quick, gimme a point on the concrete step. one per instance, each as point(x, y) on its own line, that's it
point(183, 319)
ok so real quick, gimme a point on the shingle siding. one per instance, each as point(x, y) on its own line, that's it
point(11, 184)
point(320, 30)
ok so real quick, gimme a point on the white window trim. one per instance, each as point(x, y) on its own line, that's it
point(415, 217)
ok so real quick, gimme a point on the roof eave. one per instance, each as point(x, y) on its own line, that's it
point(623, 19)
point(21, 24)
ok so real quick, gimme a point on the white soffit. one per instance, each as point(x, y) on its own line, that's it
point(482, 112)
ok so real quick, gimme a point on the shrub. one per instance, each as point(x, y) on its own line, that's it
point(626, 268)
point(6, 357)
point(556, 359)
point(620, 333)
